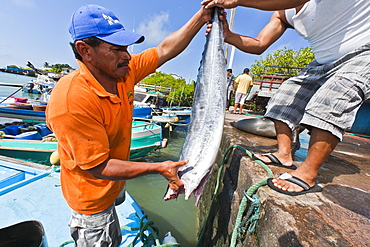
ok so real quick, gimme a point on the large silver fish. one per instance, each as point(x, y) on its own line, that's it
point(207, 118)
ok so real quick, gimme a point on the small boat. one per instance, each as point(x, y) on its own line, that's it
point(12, 99)
point(35, 111)
point(183, 113)
point(362, 122)
point(35, 142)
point(36, 214)
point(145, 98)
point(165, 120)
point(26, 111)
point(146, 137)
point(41, 84)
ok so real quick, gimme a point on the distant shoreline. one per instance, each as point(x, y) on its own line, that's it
point(28, 73)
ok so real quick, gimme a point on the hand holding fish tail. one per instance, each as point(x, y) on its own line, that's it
point(170, 172)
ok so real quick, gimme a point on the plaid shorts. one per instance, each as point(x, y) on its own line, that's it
point(101, 229)
point(325, 96)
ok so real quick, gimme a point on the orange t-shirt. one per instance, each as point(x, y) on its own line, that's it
point(92, 125)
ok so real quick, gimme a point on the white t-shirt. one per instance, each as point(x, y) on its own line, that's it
point(332, 27)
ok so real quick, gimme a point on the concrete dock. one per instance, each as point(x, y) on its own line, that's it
point(337, 216)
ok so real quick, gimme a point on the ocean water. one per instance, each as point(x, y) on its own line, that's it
point(178, 216)
point(14, 79)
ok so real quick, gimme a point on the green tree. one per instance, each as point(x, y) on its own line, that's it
point(183, 96)
point(278, 61)
point(57, 68)
point(163, 79)
point(180, 93)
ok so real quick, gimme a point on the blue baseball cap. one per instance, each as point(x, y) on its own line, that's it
point(94, 20)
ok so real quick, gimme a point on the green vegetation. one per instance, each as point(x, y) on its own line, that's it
point(182, 96)
point(178, 92)
point(56, 68)
point(284, 62)
point(163, 79)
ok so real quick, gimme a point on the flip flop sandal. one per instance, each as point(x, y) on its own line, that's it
point(274, 161)
point(286, 176)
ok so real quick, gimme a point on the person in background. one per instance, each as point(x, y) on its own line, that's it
point(324, 97)
point(90, 112)
point(241, 88)
point(230, 87)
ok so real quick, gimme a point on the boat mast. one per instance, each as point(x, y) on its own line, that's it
point(230, 59)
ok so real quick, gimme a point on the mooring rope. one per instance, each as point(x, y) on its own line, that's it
point(252, 215)
point(150, 239)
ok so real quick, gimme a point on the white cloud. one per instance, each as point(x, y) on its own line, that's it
point(154, 28)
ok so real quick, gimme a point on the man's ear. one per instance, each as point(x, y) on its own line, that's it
point(84, 50)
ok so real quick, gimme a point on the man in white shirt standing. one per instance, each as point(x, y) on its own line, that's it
point(326, 96)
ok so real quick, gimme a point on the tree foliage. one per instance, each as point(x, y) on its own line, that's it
point(163, 79)
point(284, 61)
point(57, 68)
point(183, 96)
point(180, 93)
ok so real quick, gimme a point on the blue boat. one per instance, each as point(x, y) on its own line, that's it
point(36, 111)
point(35, 142)
point(362, 121)
point(183, 113)
point(31, 201)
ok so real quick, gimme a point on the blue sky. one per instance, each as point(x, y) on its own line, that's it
point(37, 31)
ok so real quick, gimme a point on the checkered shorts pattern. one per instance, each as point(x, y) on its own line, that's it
point(325, 96)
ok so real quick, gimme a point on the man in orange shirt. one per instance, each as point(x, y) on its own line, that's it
point(90, 112)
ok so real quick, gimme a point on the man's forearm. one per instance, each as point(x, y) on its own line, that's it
point(177, 41)
point(271, 4)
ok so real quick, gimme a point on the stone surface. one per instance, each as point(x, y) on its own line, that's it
point(338, 216)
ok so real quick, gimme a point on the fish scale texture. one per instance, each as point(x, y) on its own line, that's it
point(207, 119)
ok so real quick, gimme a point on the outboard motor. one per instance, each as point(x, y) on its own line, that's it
point(29, 86)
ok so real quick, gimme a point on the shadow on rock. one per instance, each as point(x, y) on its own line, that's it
point(353, 199)
point(289, 239)
point(334, 167)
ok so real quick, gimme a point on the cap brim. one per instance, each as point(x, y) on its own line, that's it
point(122, 38)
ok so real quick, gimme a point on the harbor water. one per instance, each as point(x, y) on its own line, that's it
point(178, 216)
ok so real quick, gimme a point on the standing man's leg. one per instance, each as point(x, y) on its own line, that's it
point(101, 229)
point(228, 99)
point(237, 101)
point(322, 143)
point(236, 107)
point(284, 139)
point(242, 100)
